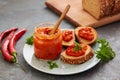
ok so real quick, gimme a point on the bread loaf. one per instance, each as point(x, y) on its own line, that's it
point(101, 8)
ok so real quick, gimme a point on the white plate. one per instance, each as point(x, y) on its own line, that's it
point(63, 68)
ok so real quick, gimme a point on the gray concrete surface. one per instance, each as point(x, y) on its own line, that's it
point(28, 13)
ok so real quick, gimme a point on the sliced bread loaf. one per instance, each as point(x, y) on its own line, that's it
point(101, 8)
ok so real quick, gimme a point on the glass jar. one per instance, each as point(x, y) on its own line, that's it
point(47, 46)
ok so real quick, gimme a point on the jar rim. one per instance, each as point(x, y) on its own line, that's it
point(46, 36)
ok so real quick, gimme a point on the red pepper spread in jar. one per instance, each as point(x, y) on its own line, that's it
point(47, 46)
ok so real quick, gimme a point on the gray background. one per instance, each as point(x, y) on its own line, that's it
point(28, 13)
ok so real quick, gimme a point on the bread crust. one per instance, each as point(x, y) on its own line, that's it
point(109, 6)
point(116, 7)
point(106, 7)
point(102, 8)
point(77, 60)
point(81, 40)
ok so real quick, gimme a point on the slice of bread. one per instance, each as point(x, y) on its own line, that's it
point(77, 60)
point(98, 8)
point(72, 41)
point(82, 40)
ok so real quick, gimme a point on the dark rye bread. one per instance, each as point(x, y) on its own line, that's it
point(101, 8)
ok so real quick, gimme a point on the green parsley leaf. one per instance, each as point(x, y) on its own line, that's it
point(77, 47)
point(29, 40)
point(105, 52)
point(52, 64)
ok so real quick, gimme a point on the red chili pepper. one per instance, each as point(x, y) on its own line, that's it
point(5, 51)
point(13, 41)
point(3, 34)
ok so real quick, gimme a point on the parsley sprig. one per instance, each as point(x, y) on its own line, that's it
point(105, 52)
point(77, 47)
point(29, 40)
point(52, 64)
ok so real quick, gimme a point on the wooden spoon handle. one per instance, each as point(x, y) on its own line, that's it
point(60, 19)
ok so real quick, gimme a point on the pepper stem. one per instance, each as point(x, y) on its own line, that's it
point(14, 59)
point(14, 54)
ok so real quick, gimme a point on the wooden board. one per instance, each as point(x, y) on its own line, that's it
point(77, 15)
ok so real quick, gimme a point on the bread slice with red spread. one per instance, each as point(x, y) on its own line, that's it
point(72, 58)
point(68, 37)
point(86, 34)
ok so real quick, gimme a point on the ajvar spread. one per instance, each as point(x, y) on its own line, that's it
point(86, 33)
point(47, 46)
point(71, 52)
point(67, 36)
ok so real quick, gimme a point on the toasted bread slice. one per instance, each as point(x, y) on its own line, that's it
point(77, 60)
point(82, 40)
point(72, 41)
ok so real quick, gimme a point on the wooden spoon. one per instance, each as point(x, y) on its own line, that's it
point(60, 19)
